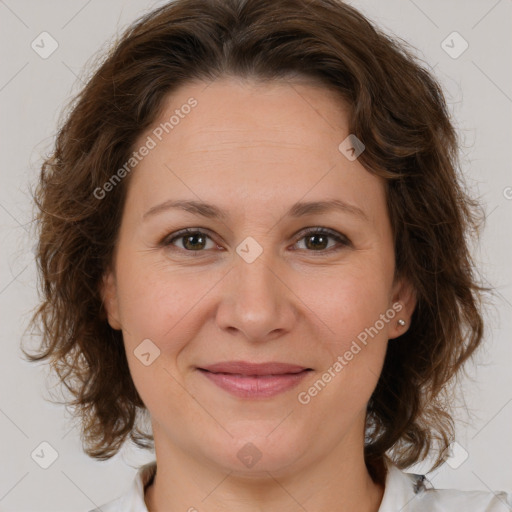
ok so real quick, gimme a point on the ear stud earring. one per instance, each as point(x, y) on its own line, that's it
point(401, 322)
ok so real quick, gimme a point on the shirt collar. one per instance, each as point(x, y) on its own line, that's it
point(402, 489)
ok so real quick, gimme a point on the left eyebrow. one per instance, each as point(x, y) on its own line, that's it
point(299, 209)
point(314, 207)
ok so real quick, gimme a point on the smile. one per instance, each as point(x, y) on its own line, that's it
point(246, 380)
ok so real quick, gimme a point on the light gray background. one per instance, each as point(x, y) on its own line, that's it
point(478, 86)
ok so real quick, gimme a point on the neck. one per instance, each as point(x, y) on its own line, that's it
point(340, 482)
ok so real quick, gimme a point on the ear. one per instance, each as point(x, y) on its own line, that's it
point(404, 303)
point(108, 292)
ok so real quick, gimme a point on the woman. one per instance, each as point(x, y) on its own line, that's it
point(252, 234)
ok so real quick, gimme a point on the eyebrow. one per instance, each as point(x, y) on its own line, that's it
point(299, 209)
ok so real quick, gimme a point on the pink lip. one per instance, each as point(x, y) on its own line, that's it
point(251, 380)
point(245, 368)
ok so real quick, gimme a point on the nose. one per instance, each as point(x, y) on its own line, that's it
point(256, 301)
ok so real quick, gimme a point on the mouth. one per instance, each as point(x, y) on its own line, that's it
point(255, 380)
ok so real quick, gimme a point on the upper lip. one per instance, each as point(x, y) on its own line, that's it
point(246, 368)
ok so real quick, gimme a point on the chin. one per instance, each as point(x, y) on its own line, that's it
point(255, 455)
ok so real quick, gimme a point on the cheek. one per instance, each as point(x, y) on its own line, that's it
point(156, 300)
point(353, 307)
point(349, 300)
point(162, 307)
point(353, 346)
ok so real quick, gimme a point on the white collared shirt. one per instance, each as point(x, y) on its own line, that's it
point(404, 492)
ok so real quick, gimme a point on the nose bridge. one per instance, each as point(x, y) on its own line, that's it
point(256, 283)
point(256, 302)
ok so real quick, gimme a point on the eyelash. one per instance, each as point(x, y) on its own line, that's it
point(338, 237)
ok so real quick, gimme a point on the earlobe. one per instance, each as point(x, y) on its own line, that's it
point(404, 303)
point(109, 298)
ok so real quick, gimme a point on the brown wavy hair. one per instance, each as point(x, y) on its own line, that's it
point(397, 109)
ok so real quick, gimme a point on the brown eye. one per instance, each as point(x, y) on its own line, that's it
point(190, 240)
point(318, 239)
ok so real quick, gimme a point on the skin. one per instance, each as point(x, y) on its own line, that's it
point(253, 150)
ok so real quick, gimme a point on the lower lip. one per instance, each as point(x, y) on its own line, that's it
point(262, 386)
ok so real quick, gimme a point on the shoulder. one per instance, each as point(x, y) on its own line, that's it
point(442, 500)
point(409, 492)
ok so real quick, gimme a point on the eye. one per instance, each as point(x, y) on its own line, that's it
point(192, 240)
point(317, 240)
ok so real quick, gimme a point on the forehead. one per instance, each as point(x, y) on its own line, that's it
point(255, 140)
point(233, 114)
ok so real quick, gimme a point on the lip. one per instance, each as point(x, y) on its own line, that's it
point(255, 380)
point(247, 369)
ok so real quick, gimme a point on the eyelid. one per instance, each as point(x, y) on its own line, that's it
point(311, 230)
point(336, 235)
point(320, 229)
point(167, 240)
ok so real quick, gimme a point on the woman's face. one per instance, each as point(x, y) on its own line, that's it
point(262, 165)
